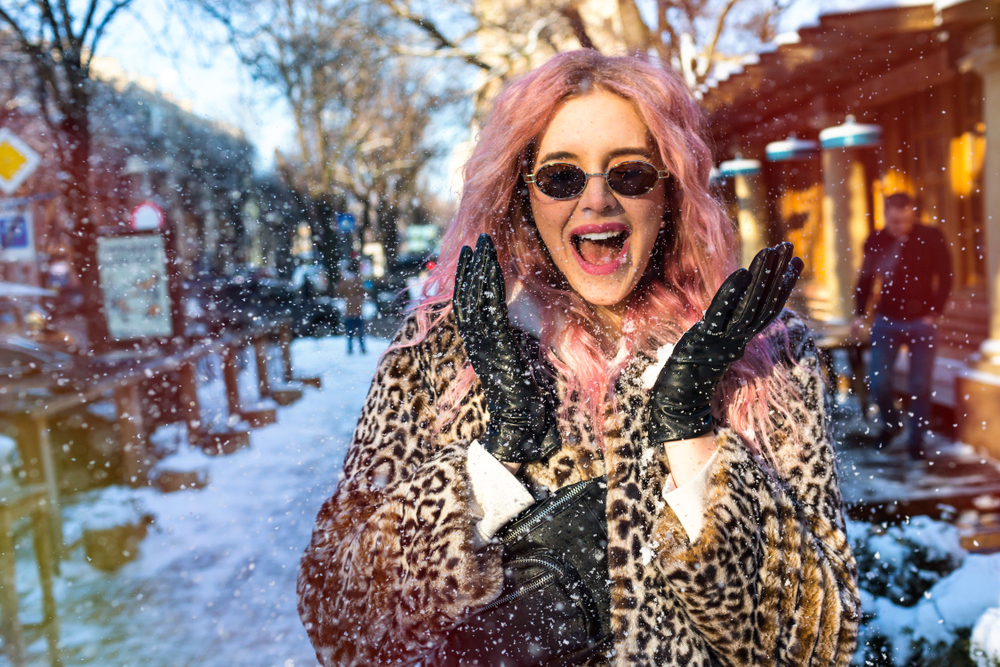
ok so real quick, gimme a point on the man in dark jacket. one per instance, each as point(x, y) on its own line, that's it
point(914, 266)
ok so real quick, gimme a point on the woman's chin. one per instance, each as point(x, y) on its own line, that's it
point(603, 291)
point(605, 296)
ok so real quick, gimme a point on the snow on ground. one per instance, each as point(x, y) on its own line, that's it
point(214, 584)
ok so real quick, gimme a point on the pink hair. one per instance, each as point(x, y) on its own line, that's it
point(693, 255)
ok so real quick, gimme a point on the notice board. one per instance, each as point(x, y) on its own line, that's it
point(136, 288)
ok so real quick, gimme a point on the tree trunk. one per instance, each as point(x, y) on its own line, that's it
point(634, 30)
point(388, 231)
point(325, 237)
point(75, 131)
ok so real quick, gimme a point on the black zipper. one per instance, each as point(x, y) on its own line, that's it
point(531, 521)
point(555, 571)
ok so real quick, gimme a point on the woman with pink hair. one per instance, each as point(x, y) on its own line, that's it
point(595, 440)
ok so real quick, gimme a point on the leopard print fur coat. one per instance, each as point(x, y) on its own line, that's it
point(393, 562)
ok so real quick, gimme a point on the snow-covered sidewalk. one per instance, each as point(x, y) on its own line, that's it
point(214, 584)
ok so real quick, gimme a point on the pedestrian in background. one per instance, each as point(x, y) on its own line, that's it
point(914, 266)
point(352, 290)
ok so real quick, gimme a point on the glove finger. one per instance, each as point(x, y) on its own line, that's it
point(795, 267)
point(476, 287)
point(494, 280)
point(486, 243)
point(767, 310)
point(726, 299)
point(787, 285)
point(462, 270)
point(762, 274)
point(494, 289)
point(469, 296)
point(458, 298)
point(507, 353)
point(496, 294)
point(753, 273)
point(782, 290)
point(485, 247)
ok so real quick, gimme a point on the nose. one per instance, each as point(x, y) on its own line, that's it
point(597, 195)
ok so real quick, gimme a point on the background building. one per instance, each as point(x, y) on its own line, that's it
point(218, 216)
point(858, 106)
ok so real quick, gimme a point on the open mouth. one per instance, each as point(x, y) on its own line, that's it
point(600, 246)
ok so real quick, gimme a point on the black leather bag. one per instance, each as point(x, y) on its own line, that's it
point(555, 606)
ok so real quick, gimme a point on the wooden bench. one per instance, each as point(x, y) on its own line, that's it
point(29, 406)
point(961, 330)
point(31, 502)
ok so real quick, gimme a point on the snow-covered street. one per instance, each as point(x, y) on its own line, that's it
point(214, 581)
point(214, 584)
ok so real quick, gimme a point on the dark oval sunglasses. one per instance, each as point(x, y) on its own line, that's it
point(567, 181)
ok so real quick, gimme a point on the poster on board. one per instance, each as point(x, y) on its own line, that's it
point(134, 281)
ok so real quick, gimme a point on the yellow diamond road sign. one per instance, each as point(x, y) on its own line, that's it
point(17, 161)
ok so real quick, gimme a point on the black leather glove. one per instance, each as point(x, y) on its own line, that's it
point(748, 301)
point(520, 420)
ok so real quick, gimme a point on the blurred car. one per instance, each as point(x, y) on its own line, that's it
point(68, 301)
point(316, 317)
point(391, 293)
point(249, 298)
point(309, 278)
point(244, 298)
point(407, 266)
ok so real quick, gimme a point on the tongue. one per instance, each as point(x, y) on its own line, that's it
point(599, 252)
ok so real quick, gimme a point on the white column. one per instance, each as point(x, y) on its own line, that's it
point(845, 213)
point(752, 214)
point(988, 67)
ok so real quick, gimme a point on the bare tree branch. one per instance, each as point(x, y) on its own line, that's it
point(67, 22)
point(59, 41)
point(635, 32)
point(720, 24)
point(25, 42)
point(572, 14)
point(89, 19)
point(668, 50)
point(102, 26)
point(429, 27)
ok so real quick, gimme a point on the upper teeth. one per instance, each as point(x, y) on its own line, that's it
point(599, 236)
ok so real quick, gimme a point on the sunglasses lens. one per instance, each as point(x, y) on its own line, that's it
point(632, 179)
point(560, 181)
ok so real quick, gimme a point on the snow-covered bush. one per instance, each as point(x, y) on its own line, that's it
point(902, 562)
point(921, 594)
point(985, 642)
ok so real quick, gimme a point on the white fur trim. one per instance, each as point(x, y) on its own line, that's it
point(649, 375)
point(620, 357)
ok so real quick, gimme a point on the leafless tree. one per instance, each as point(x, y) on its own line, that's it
point(361, 108)
point(60, 40)
point(501, 37)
